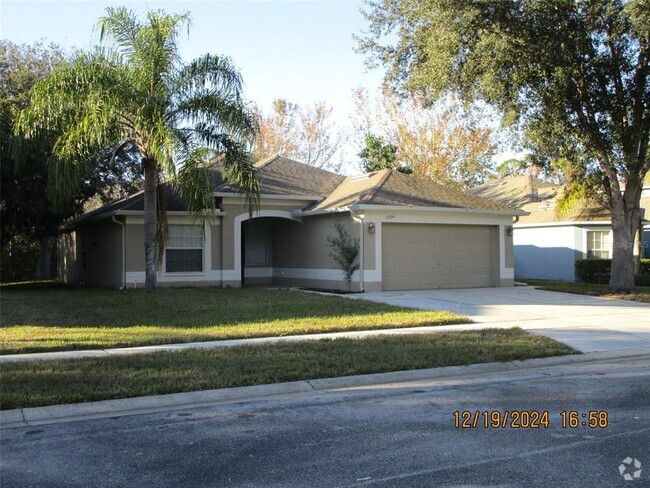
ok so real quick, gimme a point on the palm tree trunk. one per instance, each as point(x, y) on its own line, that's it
point(150, 217)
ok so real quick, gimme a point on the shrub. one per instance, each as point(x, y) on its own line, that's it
point(593, 270)
point(642, 279)
point(598, 270)
point(344, 250)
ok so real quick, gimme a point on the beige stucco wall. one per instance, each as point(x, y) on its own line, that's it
point(369, 247)
point(304, 245)
point(509, 255)
point(234, 208)
point(215, 229)
point(135, 247)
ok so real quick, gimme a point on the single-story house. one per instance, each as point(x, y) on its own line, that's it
point(546, 247)
point(413, 234)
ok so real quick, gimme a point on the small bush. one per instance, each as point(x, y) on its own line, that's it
point(642, 279)
point(645, 266)
point(598, 271)
point(344, 250)
point(593, 270)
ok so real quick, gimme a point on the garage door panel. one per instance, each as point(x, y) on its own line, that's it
point(421, 256)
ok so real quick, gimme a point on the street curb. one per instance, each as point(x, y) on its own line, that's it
point(26, 417)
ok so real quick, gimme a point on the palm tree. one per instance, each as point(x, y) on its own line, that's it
point(133, 89)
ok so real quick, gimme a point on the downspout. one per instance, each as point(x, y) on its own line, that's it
point(122, 224)
point(358, 219)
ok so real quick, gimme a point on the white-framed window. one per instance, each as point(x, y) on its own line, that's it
point(256, 247)
point(598, 244)
point(184, 251)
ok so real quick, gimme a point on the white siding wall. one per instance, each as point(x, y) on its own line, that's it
point(547, 253)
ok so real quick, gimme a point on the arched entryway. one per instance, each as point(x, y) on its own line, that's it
point(262, 250)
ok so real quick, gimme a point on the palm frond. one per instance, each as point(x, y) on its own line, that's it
point(78, 101)
point(193, 183)
point(225, 114)
point(238, 168)
point(212, 72)
point(121, 26)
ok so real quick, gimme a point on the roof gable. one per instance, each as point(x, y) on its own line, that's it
point(390, 187)
point(401, 189)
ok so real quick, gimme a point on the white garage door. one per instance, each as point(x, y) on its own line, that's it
point(422, 256)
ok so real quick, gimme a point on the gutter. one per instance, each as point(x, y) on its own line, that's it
point(397, 208)
point(325, 211)
point(100, 216)
point(123, 225)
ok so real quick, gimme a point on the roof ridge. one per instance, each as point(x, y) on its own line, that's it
point(265, 161)
point(382, 179)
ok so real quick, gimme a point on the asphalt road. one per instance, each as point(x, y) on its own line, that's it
point(398, 435)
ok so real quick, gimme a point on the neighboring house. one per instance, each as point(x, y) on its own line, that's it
point(413, 234)
point(546, 247)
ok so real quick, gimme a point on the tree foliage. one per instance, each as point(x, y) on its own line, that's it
point(23, 205)
point(134, 89)
point(574, 74)
point(443, 141)
point(28, 220)
point(305, 134)
point(378, 154)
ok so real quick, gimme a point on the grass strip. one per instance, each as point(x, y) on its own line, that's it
point(642, 293)
point(89, 379)
point(55, 318)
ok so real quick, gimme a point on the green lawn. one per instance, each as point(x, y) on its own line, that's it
point(642, 292)
point(81, 380)
point(47, 317)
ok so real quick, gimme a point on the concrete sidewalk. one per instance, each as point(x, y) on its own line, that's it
point(121, 351)
point(25, 417)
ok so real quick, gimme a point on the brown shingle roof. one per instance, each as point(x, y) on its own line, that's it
point(544, 212)
point(516, 190)
point(393, 188)
point(283, 176)
point(401, 189)
point(353, 190)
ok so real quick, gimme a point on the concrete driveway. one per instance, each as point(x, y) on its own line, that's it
point(584, 322)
